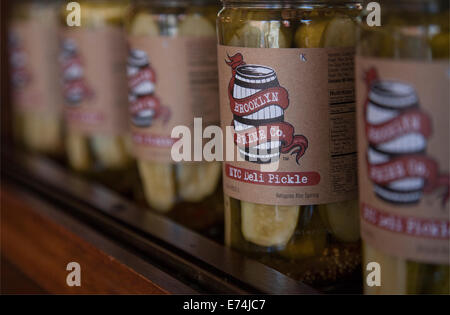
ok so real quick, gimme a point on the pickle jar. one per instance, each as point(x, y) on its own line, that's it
point(93, 69)
point(33, 49)
point(287, 86)
point(172, 72)
point(402, 80)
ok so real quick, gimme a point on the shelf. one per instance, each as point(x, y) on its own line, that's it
point(170, 257)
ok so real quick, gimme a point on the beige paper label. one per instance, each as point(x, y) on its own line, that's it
point(171, 82)
point(294, 106)
point(403, 128)
point(94, 78)
point(34, 71)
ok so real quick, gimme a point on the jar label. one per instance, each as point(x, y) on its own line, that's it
point(403, 128)
point(94, 80)
point(34, 72)
point(292, 109)
point(171, 81)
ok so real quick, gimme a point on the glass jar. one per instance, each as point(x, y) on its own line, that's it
point(172, 72)
point(33, 47)
point(402, 75)
point(291, 72)
point(93, 61)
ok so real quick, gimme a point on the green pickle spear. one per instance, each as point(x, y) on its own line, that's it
point(159, 184)
point(312, 239)
point(144, 24)
point(196, 25)
point(339, 32)
point(342, 219)
point(309, 34)
point(78, 151)
point(267, 225)
point(110, 150)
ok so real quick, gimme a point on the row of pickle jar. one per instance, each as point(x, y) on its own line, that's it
point(311, 122)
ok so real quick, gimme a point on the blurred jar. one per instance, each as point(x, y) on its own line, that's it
point(33, 47)
point(93, 60)
point(172, 71)
point(286, 84)
point(402, 73)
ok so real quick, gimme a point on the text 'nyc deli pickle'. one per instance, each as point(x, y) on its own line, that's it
point(286, 81)
point(33, 48)
point(93, 58)
point(402, 73)
point(172, 75)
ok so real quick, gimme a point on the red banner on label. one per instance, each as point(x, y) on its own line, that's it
point(249, 105)
point(413, 226)
point(272, 178)
point(84, 117)
point(71, 62)
point(410, 121)
point(145, 102)
point(408, 166)
point(146, 74)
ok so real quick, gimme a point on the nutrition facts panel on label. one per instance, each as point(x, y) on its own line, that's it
point(341, 93)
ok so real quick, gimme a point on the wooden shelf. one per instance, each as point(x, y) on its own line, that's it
point(51, 216)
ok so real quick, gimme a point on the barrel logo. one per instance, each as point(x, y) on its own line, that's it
point(258, 103)
point(397, 131)
point(144, 107)
point(75, 87)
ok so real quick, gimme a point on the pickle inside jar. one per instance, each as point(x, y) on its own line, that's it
point(342, 218)
point(197, 181)
point(267, 225)
point(196, 25)
point(309, 35)
point(42, 132)
point(311, 236)
point(143, 24)
point(258, 32)
point(340, 32)
point(77, 147)
point(110, 151)
point(159, 184)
